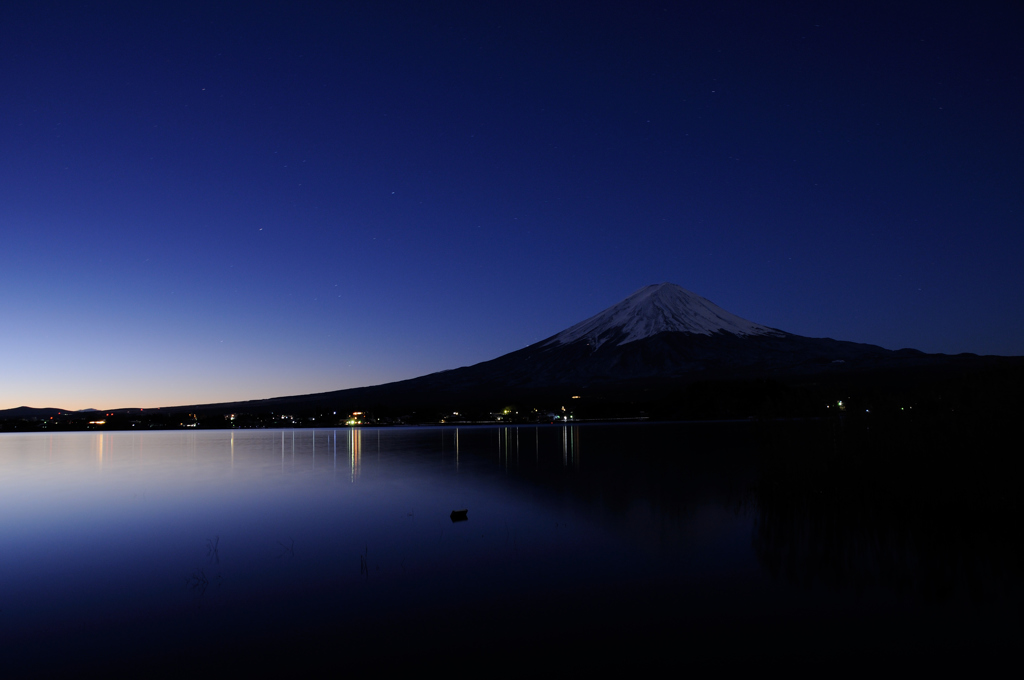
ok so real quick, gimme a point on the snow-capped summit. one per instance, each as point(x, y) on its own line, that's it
point(656, 309)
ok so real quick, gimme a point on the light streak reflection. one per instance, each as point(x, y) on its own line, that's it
point(355, 451)
point(570, 446)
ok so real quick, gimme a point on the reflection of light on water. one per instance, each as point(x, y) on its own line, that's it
point(510, 437)
point(505, 435)
point(456, 448)
point(355, 450)
point(570, 446)
point(99, 450)
point(232, 450)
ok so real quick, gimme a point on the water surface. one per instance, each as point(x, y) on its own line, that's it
point(282, 549)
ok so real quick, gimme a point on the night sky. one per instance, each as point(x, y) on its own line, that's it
point(217, 201)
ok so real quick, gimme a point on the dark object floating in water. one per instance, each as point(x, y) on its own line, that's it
point(459, 515)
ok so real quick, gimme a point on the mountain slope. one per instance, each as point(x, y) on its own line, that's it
point(663, 332)
point(661, 336)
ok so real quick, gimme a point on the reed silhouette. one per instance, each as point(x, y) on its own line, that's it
point(213, 550)
point(197, 582)
point(288, 549)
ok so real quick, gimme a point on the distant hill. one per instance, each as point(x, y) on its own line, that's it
point(30, 412)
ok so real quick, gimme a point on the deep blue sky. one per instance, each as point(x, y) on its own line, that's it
point(217, 201)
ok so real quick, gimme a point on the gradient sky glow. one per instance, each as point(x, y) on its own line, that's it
point(217, 201)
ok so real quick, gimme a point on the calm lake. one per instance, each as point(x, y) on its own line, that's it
point(279, 550)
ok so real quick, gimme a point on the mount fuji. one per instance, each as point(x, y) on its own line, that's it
point(664, 333)
point(660, 345)
point(661, 337)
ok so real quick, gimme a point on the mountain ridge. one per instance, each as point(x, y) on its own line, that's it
point(656, 341)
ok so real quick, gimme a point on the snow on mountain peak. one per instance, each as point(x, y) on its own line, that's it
point(655, 309)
